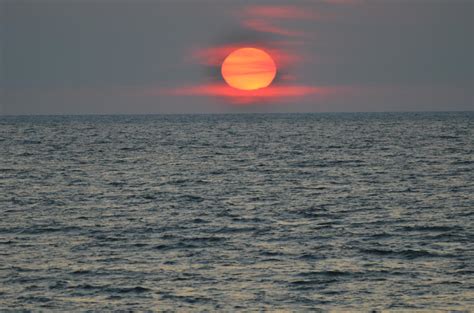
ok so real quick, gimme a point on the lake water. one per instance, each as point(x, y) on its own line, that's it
point(237, 212)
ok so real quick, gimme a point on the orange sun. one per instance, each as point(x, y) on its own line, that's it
point(248, 69)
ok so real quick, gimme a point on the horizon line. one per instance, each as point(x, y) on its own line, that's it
point(227, 113)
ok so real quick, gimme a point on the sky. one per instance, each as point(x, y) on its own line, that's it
point(148, 57)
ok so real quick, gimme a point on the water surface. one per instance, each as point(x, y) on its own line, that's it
point(237, 212)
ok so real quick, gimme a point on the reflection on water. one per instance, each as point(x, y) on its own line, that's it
point(345, 211)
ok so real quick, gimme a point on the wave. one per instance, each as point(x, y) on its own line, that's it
point(408, 254)
point(429, 228)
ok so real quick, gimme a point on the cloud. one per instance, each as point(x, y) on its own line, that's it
point(267, 18)
point(278, 12)
point(236, 96)
point(265, 26)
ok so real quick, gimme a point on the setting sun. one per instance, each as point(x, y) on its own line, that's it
point(248, 69)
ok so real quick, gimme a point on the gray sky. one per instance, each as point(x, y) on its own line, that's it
point(104, 56)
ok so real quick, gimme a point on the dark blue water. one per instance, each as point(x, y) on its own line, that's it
point(237, 212)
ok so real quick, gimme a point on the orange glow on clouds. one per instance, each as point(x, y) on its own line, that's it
point(283, 59)
point(248, 69)
point(278, 11)
point(250, 72)
point(249, 96)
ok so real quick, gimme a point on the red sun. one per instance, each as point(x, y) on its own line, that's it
point(248, 69)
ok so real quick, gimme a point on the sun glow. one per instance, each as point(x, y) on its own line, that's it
point(248, 69)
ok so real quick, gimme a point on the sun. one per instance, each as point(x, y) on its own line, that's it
point(248, 69)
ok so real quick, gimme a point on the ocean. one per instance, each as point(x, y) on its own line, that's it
point(336, 211)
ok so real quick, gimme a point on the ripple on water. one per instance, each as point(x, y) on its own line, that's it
point(286, 212)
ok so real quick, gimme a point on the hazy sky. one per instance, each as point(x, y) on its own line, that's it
point(105, 56)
